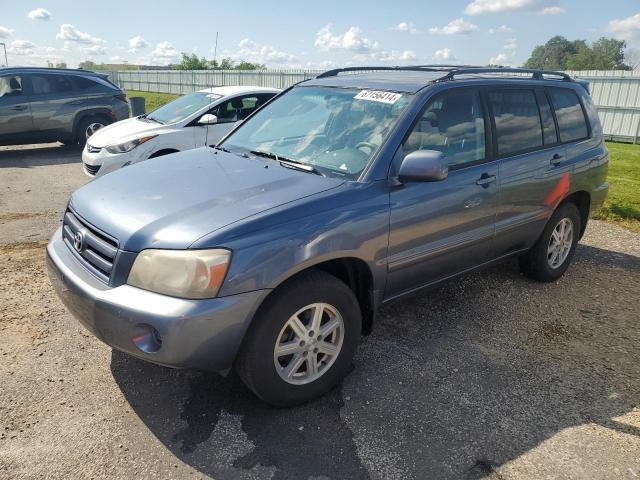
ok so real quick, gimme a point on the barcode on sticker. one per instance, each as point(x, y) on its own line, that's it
point(378, 96)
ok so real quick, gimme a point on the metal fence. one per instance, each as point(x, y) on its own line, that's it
point(187, 81)
point(616, 93)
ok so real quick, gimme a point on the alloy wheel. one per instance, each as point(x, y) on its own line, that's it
point(309, 343)
point(92, 128)
point(560, 243)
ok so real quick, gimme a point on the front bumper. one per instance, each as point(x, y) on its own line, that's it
point(203, 334)
point(105, 162)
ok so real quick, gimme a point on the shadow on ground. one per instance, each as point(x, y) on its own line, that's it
point(452, 383)
point(39, 155)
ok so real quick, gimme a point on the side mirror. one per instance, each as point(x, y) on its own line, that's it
point(208, 119)
point(423, 166)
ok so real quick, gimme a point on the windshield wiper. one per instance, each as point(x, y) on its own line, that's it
point(150, 119)
point(288, 162)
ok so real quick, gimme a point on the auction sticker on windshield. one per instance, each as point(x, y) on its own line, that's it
point(378, 96)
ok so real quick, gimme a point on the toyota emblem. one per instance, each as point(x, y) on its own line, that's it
point(78, 241)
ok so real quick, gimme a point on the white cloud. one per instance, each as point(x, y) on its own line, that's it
point(39, 14)
point(507, 55)
point(626, 28)
point(501, 29)
point(552, 10)
point(136, 43)
point(164, 54)
point(459, 26)
point(117, 59)
point(478, 7)
point(5, 32)
point(406, 27)
point(69, 33)
point(21, 47)
point(444, 54)
point(351, 40)
point(258, 53)
point(95, 50)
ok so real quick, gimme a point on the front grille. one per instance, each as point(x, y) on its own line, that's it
point(92, 149)
point(91, 169)
point(96, 250)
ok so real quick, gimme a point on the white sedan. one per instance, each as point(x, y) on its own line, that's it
point(194, 120)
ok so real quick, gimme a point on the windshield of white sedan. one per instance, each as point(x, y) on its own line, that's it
point(336, 131)
point(182, 107)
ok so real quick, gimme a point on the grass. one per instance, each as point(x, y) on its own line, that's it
point(623, 203)
point(152, 100)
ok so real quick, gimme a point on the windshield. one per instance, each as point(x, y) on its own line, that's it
point(182, 107)
point(334, 130)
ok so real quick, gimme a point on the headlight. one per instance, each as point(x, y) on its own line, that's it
point(128, 146)
point(180, 273)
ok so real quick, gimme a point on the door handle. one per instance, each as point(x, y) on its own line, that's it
point(19, 108)
point(557, 159)
point(485, 180)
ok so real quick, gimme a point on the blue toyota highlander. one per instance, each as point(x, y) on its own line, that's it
point(271, 251)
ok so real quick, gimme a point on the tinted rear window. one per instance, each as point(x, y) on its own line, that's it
point(83, 83)
point(571, 121)
point(517, 120)
point(48, 84)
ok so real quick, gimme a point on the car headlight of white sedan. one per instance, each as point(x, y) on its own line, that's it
point(128, 145)
point(193, 274)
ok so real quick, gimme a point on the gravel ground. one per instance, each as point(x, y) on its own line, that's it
point(488, 376)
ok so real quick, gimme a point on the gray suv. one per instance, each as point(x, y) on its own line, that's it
point(272, 251)
point(39, 105)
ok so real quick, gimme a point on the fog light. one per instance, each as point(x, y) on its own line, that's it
point(147, 338)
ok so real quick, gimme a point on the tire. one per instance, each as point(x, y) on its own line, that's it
point(263, 370)
point(538, 263)
point(94, 123)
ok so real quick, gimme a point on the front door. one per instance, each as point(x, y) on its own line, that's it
point(15, 113)
point(441, 228)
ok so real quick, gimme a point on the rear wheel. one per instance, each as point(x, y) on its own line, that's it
point(551, 255)
point(302, 341)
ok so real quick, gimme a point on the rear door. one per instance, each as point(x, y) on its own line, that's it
point(15, 113)
point(534, 175)
point(54, 103)
point(441, 228)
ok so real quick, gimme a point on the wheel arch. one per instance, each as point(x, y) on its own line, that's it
point(163, 151)
point(355, 273)
point(582, 200)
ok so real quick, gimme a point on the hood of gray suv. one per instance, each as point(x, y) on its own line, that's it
point(171, 201)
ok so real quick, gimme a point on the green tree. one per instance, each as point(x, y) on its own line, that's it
point(244, 65)
point(192, 62)
point(226, 64)
point(561, 54)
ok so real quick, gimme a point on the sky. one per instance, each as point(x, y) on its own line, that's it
point(299, 34)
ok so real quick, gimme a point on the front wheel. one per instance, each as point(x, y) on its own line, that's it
point(87, 127)
point(303, 340)
point(551, 255)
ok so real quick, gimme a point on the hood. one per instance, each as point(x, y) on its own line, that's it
point(173, 200)
point(124, 130)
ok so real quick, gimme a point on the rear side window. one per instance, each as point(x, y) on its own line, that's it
point(48, 84)
point(452, 124)
point(82, 83)
point(571, 121)
point(517, 120)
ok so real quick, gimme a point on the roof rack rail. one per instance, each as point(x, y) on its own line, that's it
point(535, 73)
point(410, 68)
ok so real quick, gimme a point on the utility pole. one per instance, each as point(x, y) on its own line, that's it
point(215, 50)
point(6, 62)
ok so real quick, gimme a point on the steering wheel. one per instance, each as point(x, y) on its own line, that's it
point(368, 145)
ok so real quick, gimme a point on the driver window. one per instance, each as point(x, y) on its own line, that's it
point(453, 124)
point(10, 85)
